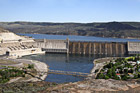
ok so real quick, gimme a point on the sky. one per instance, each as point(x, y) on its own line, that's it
point(83, 11)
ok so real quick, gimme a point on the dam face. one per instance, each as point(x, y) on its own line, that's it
point(107, 48)
point(87, 47)
point(81, 47)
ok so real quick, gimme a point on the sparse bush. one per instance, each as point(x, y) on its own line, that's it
point(109, 73)
point(31, 66)
point(6, 74)
point(100, 76)
point(106, 77)
point(124, 77)
point(135, 76)
point(116, 77)
point(96, 70)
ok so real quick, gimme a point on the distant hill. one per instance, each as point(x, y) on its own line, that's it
point(116, 26)
point(110, 29)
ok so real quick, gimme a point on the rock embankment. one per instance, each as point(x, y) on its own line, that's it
point(97, 86)
point(42, 70)
point(40, 67)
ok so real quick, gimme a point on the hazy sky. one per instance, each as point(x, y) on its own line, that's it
point(70, 10)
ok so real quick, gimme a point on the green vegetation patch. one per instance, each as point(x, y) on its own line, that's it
point(30, 66)
point(121, 69)
point(7, 73)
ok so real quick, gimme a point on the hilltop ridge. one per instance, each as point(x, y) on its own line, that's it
point(105, 29)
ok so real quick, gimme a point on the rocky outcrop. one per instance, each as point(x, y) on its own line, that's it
point(96, 86)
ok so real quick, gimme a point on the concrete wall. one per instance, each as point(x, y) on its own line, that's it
point(133, 47)
point(19, 53)
point(53, 45)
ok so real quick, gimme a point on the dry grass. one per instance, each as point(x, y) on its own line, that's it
point(7, 62)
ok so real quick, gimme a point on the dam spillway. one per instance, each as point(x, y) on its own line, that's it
point(105, 48)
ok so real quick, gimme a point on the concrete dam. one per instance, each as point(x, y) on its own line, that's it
point(107, 48)
point(87, 47)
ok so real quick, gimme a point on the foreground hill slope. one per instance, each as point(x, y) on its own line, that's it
point(7, 35)
point(3, 30)
point(110, 29)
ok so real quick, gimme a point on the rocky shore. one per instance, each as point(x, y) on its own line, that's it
point(40, 67)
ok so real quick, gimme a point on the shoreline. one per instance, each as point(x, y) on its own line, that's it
point(41, 67)
point(38, 66)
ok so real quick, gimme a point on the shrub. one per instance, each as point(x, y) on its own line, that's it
point(96, 70)
point(126, 71)
point(138, 75)
point(106, 77)
point(31, 66)
point(135, 76)
point(109, 73)
point(130, 71)
point(124, 77)
point(23, 75)
point(100, 76)
point(116, 77)
point(6, 74)
point(110, 65)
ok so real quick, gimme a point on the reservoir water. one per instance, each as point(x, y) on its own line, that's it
point(64, 62)
point(79, 38)
point(75, 63)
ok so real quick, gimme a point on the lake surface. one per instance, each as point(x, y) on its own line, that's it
point(79, 38)
point(64, 62)
point(75, 63)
